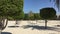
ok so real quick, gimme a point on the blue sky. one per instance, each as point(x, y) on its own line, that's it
point(36, 5)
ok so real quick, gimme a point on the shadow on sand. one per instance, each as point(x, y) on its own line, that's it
point(6, 33)
point(12, 26)
point(41, 27)
point(57, 25)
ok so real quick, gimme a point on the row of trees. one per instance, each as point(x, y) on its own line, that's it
point(32, 16)
point(13, 9)
point(37, 16)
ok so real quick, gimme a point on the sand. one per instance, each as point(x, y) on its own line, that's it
point(52, 27)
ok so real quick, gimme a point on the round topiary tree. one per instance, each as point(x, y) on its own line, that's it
point(47, 13)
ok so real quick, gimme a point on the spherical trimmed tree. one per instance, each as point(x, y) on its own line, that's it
point(47, 13)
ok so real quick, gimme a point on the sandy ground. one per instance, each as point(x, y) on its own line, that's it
point(34, 28)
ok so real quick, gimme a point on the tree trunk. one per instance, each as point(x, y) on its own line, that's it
point(6, 23)
point(36, 22)
point(45, 24)
point(17, 22)
point(3, 23)
point(0, 31)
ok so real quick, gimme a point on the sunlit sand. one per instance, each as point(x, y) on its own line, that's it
point(52, 28)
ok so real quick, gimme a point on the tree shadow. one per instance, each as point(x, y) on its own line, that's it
point(13, 26)
point(41, 27)
point(6, 33)
point(57, 25)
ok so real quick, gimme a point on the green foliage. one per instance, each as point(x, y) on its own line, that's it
point(34, 16)
point(20, 16)
point(37, 16)
point(26, 17)
point(12, 8)
point(10, 18)
point(47, 13)
point(31, 15)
